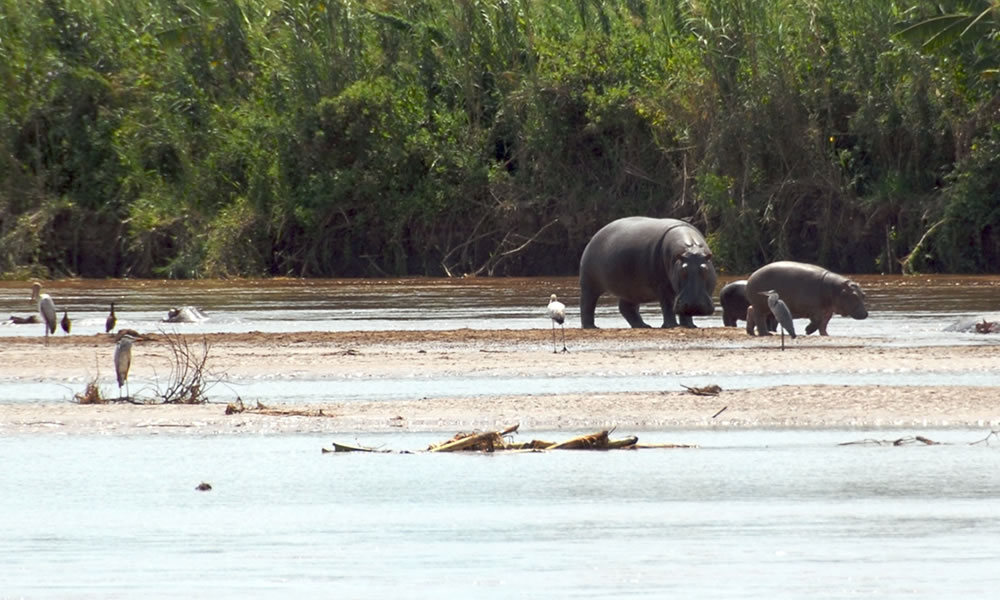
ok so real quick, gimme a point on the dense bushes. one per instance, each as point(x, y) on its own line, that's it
point(182, 138)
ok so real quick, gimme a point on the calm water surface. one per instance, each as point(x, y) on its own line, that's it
point(748, 514)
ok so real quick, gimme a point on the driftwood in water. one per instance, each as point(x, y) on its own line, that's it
point(487, 441)
point(348, 448)
point(663, 445)
point(594, 441)
point(496, 441)
point(903, 441)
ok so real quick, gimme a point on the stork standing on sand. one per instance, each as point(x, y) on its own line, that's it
point(780, 311)
point(123, 360)
point(46, 307)
point(557, 312)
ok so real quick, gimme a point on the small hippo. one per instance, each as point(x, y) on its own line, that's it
point(736, 307)
point(810, 292)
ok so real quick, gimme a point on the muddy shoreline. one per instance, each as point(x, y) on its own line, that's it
point(694, 355)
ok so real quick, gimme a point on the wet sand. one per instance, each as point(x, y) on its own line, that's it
point(701, 353)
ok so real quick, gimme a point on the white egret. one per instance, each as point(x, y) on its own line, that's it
point(46, 307)
point(123, 360)
point(780, 311)
point(557, 312)
point(109, 323)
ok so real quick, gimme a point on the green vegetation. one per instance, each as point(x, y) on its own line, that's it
point(202, 138)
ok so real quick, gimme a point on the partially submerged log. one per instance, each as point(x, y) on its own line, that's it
point(663, 445)
point(903, 441)
point(487, 441)
point(590, 441)
point(349, 448)
point(498, 441)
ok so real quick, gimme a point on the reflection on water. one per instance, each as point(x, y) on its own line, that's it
point(748, 514)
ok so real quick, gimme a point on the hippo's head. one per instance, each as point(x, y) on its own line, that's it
point(850, 301)
point(692, 275)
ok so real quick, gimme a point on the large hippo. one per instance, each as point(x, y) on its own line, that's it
point(639, 259)
point(810, 292)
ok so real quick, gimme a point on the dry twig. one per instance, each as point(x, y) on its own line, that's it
point(189, 375)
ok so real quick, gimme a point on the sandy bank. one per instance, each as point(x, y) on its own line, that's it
point(694, 356)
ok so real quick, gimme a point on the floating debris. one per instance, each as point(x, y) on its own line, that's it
point(349, 448)
point(203, 486)
point(903, 441)
point(499, 441)
point(988, 327)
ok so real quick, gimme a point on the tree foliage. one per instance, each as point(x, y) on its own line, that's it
point(188, 138)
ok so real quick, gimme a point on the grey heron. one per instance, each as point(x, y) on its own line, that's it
point(781, 312)
point(46, 307)
point(65, 323)
point(123, 360)
point(557, 312)
point(109, 323)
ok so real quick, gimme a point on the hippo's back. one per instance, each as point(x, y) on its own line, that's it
point(799, 285)
point(623, 249)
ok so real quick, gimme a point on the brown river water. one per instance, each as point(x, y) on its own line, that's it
point(906, 309)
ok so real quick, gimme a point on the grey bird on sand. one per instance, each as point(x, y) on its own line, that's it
point(780, 311)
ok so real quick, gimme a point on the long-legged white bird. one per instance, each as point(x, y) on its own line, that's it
point(123, 360)
point(46, 307)
point(780, 311)
point(557, 312)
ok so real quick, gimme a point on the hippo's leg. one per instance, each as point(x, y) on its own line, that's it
point(728, 319)
point(669, 318)
point(630, 310)
point(824, 320)
point(750, 321)
point(818, 323)
point(588, 305)
point(760, 321)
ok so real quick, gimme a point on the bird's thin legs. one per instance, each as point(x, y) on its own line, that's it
point(555, 349)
